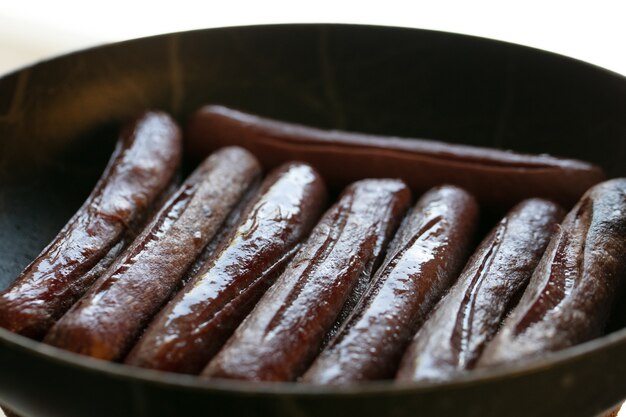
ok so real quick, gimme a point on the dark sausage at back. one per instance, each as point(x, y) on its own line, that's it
point(498, 179)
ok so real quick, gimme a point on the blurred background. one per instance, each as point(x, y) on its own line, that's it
point(592, 31)
point(32, 30)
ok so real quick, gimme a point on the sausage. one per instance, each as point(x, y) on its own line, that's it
point(424, 259)
point(498, 179)
point(196, 323)
point(282, 334)
point(109, 318)
point(467, 318)
point(361, 285)
point(569, 296)
point(202, 261)
point(142, 167)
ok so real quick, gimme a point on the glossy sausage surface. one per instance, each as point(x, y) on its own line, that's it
point(201, 263)
point(425, 257)
point(199, 319)
point(142, 167)
point(467, 318)
point(109, 318)
point(570, 294)
point(498, 179)
point(280, 337)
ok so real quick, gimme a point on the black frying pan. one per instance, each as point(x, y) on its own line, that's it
point(58, 120)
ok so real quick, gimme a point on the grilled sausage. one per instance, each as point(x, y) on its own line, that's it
point(424, 259)
point(499, 179)
point(569, 296)
point(109, 318)
point(280, 337)
point(467, 318)
point(141, 169)
point(196, 323)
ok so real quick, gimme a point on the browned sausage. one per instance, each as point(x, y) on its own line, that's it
point(280, 337)
point(496, 178)
point(467, 318)
point(196, 323)
point(569, 296)
point(141, 169)
point(424, 259)
point(360, 287)
point(108, 319)
point(201, 263)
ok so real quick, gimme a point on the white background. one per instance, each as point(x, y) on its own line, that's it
point(591, 31)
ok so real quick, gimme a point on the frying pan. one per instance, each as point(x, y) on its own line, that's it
point(59, 118)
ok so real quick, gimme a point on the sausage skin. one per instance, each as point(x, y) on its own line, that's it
point(498, 179)
point(425, 257)
point(202, 261)
point(109, 318)
point(141, 169)
point(569, 296)
point(196, 323)
point(467, 318)
point(280, 337)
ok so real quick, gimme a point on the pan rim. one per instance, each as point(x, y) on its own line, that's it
point(535, 365)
